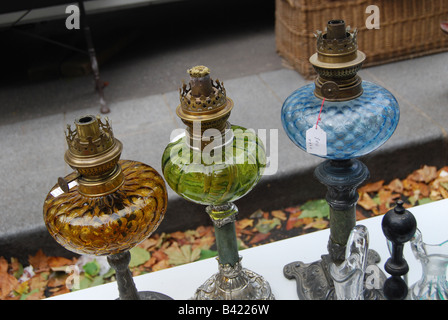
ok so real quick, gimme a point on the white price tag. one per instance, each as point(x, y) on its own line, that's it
point(316, 141)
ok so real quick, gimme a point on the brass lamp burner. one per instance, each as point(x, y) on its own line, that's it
point(204, 101)
point(94, 153)
point(337, 62)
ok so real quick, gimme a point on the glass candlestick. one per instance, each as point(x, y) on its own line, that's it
point(214, 164)
point(339, 117)
point(106, 206)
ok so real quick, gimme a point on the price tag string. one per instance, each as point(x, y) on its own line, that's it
point(318, 117)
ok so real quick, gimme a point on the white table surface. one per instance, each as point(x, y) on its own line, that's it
point(268, 260)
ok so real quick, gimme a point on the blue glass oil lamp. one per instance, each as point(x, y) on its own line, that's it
point(339, 117)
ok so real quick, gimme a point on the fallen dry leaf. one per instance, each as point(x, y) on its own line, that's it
point(3, 265)
point(148, 243)
point(57, 280)
point(395, 186)
point(244, 223)
point(279, 214)
point(22, 288)
point(372, 187)
point(444, 193)
point(54, 291)
point(257, 214)
point(294, 221)
point(293, 210)
point(266, 225)
point(204, 243)
point(15, 267)
point(36, 295)
point(319, 223)
point(39, 281)
point(54, 262)
point(39, 261)
point(359, 215)
point(435, 195)
point(178, 235)
point(152, 261)
point(163, 264)
point(387, 197)
point(159, 255)
point(183, 254)
point(382, 209)
point(7, 281)
point(425, 174)
point(203, 231)
point(366, 202)
point(424, 189)
point(259, 237)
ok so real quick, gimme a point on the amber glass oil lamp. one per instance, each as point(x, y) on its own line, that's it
point(214, 164)
point(106, 206)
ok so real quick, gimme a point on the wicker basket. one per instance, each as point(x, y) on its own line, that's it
point(408, 28)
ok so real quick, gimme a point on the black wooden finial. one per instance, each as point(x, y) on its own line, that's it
point(399, 226)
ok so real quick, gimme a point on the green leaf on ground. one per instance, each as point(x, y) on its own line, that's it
point(184, 254)
point(109, 273)
point(315, 209)
point(92, 268)
point(138, 256)
point(424, 201)
point(205, 254)
point(266, 225)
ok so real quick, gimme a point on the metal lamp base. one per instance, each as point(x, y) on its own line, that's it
point(314, 280)
point(234, 283)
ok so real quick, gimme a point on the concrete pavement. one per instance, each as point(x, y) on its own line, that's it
point(143, 95)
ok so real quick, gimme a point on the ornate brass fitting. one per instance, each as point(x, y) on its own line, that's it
point(337, 62)
point(204, 101)
point(94, 153)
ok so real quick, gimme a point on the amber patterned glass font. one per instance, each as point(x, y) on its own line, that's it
point(112, 223)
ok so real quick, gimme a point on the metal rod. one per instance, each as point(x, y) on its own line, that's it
point(126, 286)
point(227, 244)
point(99, 85)
point(49, 40)
point(223, 218)
point(342, 178)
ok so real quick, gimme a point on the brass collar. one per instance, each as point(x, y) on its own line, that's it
point(205, 102)
point(94, 153)
point(337, 62)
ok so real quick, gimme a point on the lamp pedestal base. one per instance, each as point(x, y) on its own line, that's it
point(234, 283)
point(152, 295)
point(314, 281)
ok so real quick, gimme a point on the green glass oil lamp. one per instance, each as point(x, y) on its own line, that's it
point(215, 163)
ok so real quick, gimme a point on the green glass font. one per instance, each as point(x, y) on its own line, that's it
point(217, 173)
